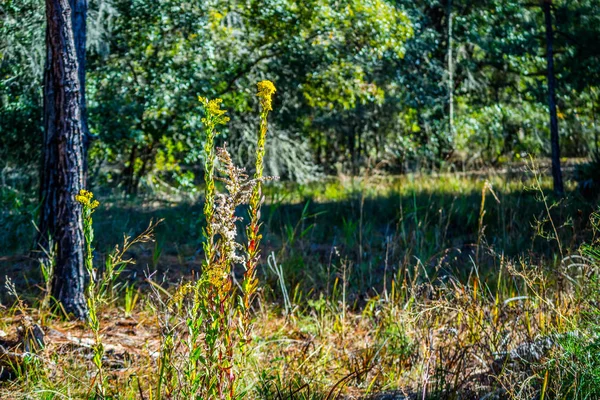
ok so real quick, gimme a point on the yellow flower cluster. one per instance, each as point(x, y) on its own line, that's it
point(213, 111)
point(219, 280)
point(181, 292)
point(85, 197)
point(265, 92)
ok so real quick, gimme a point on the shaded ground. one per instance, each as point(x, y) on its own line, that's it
point(373, 226)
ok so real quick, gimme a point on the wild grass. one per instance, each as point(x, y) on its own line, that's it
point(451, 286)
point(439, 338)
point(432, 309)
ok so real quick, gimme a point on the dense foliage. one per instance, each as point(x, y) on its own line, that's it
point(359, 80)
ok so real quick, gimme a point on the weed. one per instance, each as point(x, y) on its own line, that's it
point(99, 290)
point(217, 316)
point(455, 296)
point(132, 296)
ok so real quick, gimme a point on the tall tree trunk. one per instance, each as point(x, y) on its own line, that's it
point(594, 109)
point(554, 139)
point(63, 159)
point(450, 72)
point(79, 18)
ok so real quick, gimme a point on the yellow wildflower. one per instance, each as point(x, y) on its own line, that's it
point(265, 92)
point(218, 279)
point(214, 107)
point(85, 197)
point(213, 111)
point(181, 292)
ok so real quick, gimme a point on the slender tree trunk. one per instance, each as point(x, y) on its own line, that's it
point(79, 18)
point(147, 158)
point(554, 138)
point(596, 142)
point(129, 170)
point(352, 146)
point(594, 109)
point(63, 159)
point(450, 72)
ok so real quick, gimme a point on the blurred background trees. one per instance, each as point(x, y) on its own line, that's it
point(358, 80)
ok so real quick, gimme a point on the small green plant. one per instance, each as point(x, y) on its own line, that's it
point(100, 288)
point(487, 186)
point(47, 265)
point(93, 298)
point(27, 366)
point(132, 296)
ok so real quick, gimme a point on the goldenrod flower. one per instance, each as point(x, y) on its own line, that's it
point(181, 292)
point(214, 113)
point(85, 198)
point(265, 92)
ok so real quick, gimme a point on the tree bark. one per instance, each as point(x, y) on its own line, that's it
point(554, 138)
point(63, 163)
point(79, 18)
point(450, 72)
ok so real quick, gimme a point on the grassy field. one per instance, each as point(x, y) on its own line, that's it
point(452, 286)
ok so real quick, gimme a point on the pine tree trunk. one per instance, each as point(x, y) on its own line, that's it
point(79, 19)
point(554, 139)
point(450, 72)
point(62, 174)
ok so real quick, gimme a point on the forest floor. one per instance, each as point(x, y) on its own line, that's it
point(448, 286)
